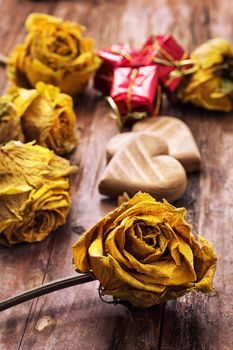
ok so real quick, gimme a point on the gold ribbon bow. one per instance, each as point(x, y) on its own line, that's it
point(170, 61)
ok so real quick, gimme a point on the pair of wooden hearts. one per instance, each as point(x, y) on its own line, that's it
point(153, 158)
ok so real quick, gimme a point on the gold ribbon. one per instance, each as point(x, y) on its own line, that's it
point(170, 61)
point(158, 101)
point(123, 53)
point(116, 116)
point(130, 87)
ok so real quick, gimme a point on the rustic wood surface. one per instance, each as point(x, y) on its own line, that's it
point(75, 318)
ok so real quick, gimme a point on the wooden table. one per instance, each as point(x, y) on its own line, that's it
point(75, 318)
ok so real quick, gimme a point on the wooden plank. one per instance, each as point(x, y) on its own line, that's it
point(199, 321)
point(75, 318)
point(24, 266)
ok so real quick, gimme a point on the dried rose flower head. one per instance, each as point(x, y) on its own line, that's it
point(145, 253)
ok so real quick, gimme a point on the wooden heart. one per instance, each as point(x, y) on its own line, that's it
point(144, 166)
point(119, 140)
point(178, 136)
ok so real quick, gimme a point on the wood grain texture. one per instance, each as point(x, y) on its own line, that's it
point(75, 318)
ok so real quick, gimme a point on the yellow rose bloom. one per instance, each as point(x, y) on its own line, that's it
point(54, 52)
point(34, 192)
point(211, 86)
point(145, 253)
point(45, 115)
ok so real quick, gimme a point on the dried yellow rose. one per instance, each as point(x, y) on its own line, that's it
point(144, 252)
point(211, 86)
point(34, 192)
point(45, 115)
point(54, 52)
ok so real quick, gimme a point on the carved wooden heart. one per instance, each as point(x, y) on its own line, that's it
point(144, 166)
point(178, 136)
point(119, 140)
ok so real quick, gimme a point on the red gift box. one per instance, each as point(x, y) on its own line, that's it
point(134, 90)
point(119, 55)
point(172, 61)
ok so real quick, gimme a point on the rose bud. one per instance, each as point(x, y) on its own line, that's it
point(34, 192)
point(211, 86)
point(144, 252)
point(45, 115)
point(54, 52)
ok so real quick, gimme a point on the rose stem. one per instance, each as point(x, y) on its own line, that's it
point(3, 59)
point(45, 289)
